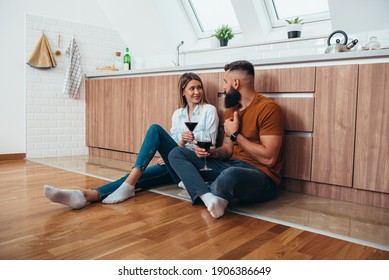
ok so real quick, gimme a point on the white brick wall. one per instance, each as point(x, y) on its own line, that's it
point(56, 123)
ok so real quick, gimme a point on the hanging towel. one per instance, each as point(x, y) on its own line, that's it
point(73, 76)
point(41, 57)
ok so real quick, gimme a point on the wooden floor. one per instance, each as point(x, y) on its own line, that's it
point(148, 226)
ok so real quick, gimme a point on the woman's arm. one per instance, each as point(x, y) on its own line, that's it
point(176, 131)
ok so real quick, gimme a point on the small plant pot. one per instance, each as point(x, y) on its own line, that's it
point(223, 42)
point(294, 30)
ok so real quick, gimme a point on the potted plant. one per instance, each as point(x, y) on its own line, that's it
point(223, 34)
point(294, 27)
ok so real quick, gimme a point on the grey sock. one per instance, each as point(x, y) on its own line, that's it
point(124, 192)
point(73, 198)
point(215, 205)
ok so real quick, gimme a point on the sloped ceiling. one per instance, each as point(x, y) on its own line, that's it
point(149, 27)
point(359, 15)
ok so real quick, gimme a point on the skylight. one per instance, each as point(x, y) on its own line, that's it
point(308, 10)
point(206, 15)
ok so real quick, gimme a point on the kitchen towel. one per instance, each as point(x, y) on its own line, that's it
point(41, 57)
point(73, 76)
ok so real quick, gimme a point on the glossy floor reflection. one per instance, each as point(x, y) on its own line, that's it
point(344, 220)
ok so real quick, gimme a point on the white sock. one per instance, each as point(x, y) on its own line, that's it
point(181, 185)
point(215, 205)
point(73, 198)
point(124, 192)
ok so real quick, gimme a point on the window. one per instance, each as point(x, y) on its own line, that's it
point(206, 15)
point(308, 10)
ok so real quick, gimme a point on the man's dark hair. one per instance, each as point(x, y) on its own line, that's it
point(240, 65)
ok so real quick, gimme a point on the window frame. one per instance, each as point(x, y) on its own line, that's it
point(275, 22)
point(200, 33)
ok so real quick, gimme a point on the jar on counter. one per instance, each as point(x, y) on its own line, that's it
point(373, 44)
point(118, 61)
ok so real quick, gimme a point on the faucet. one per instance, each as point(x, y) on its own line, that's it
point(178, 53)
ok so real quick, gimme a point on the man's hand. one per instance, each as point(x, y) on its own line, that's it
point(231, 125)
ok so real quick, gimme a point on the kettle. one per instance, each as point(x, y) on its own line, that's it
point(340, 47)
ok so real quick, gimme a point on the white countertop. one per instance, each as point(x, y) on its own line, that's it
point(356, 56)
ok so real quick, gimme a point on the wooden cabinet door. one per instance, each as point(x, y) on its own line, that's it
point(285, 80)
point(139, 111)
point(213, 86)
point(119, 111)
point(371, 169)
point(280, 85)
point(334, 124)
point(90, 111)
point(156, 100)
point(108, 113)
point(297, 157)
point(298, 116)
point(162, 100)
point(298, 113)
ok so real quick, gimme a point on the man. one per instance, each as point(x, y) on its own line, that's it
point(247, 166)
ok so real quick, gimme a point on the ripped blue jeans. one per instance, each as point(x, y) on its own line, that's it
point(156, 140)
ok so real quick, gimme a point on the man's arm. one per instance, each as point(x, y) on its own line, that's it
point(224, 152)
point(265, 152)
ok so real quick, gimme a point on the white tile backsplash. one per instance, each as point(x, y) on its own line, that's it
point(55, 123)
point(300, 47)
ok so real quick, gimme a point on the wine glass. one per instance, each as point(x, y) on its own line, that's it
point(191, 126)
point(204, 141)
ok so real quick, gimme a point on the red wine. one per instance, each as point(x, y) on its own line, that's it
point(204, 144)
point(191, 125)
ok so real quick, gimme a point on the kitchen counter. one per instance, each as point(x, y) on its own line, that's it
point(335, 58)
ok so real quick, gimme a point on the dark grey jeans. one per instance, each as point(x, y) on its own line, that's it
point(231, 180)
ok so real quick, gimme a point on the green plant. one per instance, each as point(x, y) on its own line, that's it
point(297, 20)
point(224, 32)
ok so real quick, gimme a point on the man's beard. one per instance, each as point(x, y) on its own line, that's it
point(232, 98)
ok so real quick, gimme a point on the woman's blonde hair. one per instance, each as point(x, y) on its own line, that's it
point(183, 82)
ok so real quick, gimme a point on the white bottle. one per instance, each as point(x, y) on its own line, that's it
point(118, 61)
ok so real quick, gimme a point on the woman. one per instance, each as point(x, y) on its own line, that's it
point(194, 107)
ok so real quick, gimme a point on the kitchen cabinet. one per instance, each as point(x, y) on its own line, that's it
point(119, 111)
point(336, 121)
point(297, 157)
point(281, 85)
point(371, 168)
point(107, 114)
point(213, 87)
point(298, 79)
point(334, 124)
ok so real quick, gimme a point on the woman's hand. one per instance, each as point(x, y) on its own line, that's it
point(160, 162)
point(187, 136)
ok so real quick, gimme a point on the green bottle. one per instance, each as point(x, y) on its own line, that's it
point(127, 61)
